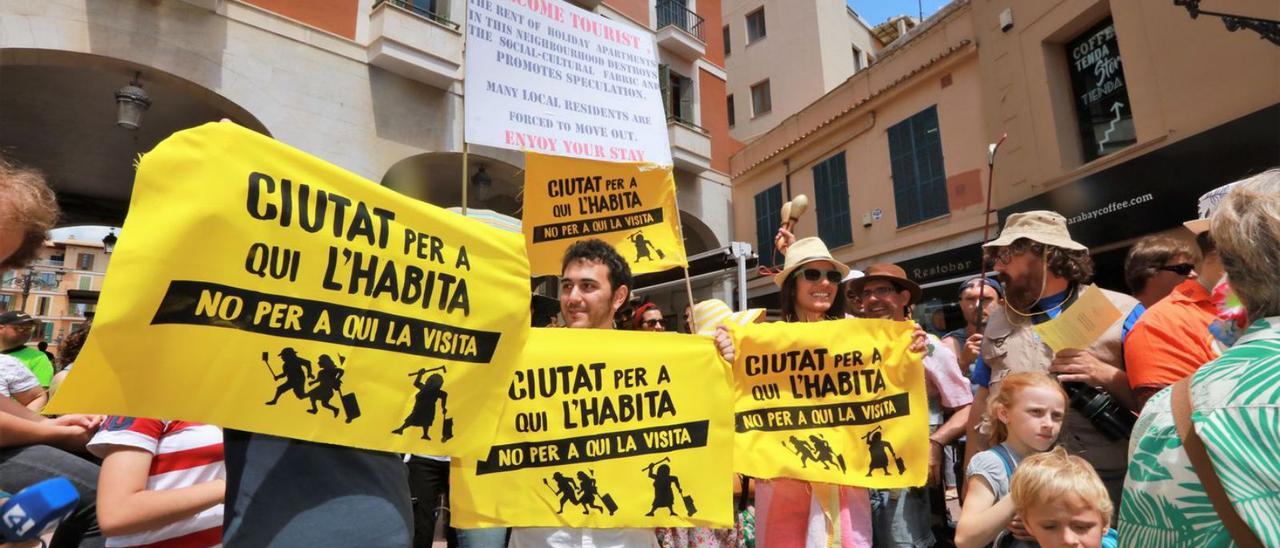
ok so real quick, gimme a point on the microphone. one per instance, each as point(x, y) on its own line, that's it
point(36, 510)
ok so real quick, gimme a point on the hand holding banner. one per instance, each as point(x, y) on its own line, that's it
point(839, 402)
point(259, 288)
point(599, 430)
point(630, 206)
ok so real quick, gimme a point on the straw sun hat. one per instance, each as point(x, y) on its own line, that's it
point(805, 251)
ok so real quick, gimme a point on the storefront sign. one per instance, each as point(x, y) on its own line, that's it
point(1101, 96)
point(1159, 189)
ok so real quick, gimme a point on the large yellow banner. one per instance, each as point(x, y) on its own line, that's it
point(606, 429)
point(259, 288)
point(838, 402)
point(631, 206)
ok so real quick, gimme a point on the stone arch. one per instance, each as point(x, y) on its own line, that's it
point(59, 114)
point(698, 237)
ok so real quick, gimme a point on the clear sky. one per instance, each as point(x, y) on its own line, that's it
point(875, 12)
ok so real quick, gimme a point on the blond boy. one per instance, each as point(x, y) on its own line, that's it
point(1062, 501)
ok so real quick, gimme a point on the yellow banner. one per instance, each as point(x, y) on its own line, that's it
point(606, 429)
point(259, 288)
point(631, 206)
point(834, 402)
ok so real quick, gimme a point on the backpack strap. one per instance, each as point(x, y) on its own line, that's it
point(1203, 467)
point(1005, 458)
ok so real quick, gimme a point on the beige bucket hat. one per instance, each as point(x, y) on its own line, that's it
point(805, 251)
point(1046, 227)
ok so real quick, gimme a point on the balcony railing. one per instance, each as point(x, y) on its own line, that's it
point(674, 13)
point(684, 121)
point(414, 8)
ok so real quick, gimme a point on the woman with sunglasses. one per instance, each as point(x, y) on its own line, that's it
point(793, 512)
point(648, 317)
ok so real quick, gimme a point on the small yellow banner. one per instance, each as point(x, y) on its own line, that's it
point(839, 402)
point(606, 428)
point(631, 206)
point(259, 288)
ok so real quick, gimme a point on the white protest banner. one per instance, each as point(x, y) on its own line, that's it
point(545, 76)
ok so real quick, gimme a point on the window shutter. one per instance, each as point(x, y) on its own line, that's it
point(664, 81)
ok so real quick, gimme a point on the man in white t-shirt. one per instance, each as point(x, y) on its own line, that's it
point(595, 282)
point(19, 383)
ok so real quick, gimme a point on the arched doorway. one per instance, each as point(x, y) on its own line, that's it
point(58, 114)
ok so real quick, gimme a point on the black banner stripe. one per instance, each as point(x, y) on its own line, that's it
point(780, 419)
point(294, 318)
point(541, 454)
point(599, 225)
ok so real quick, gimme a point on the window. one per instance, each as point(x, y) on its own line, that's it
point(857, 59)
point(831, 192)
point(82, 309)
point(48, 279)
point(727, 34)
point(86, 282)
point(433, 7)
point(760, 101)
point(42, 306)
point(677, 95)
point(915, 156)
point(6, 302)
point(755, 25)
point(84, 261)
point(48, 331)
point(1100, 95)
point(768, 221)
point(728, 102)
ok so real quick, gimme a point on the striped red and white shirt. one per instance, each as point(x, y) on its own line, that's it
point(185, 454)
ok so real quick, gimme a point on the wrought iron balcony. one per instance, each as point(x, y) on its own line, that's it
point(680, 30)
point(674, 13)
point(417, 9)
point(415, 40)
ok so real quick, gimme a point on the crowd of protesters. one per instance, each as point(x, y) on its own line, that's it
point(1165, 431)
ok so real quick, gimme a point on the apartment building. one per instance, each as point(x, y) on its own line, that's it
point(781, 55)
point(60, 288)
point(1118, 115)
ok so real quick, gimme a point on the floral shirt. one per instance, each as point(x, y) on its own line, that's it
point(1236, 411)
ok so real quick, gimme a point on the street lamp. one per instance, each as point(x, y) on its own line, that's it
point(1266, 28)
point(483, 184)
point(33, 279)
point(109, 242)
point(131, 102)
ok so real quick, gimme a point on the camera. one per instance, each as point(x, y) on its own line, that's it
point(1109, 417)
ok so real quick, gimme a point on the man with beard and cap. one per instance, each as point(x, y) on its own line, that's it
point(901, 517)
point(595, 282)
point(1043, 272)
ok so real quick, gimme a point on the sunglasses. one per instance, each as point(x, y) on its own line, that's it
point(1181, 269)
point(653, 322)
point(813, 275)
point(879, 292)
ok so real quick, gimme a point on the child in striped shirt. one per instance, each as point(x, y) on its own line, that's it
point(162, 482)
